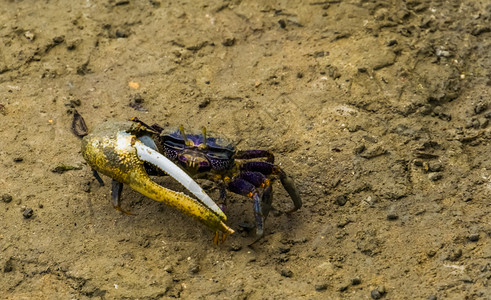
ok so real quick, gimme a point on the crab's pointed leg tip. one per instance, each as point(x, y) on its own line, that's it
point(224, 237)
point(118, 208)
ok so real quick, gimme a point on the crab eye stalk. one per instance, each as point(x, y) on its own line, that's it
point(184, 137)
point(204, 137)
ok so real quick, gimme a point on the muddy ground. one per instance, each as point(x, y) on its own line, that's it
point(379, 110)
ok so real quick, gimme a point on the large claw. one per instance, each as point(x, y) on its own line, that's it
point(114, 151)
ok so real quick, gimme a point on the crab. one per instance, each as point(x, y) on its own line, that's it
point(248, 172)
point(123, 151)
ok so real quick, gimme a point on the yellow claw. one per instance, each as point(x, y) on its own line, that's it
point(110, 150)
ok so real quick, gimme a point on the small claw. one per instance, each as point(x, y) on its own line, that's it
point(114, 152)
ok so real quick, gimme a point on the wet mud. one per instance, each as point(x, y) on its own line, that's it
point(378, 110)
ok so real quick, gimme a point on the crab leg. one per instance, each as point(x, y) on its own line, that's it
point(267, 168)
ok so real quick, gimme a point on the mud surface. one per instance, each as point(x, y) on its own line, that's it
point(379, 110)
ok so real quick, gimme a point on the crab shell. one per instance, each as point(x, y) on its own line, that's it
point(114, 150)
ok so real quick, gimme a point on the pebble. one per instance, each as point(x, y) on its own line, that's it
point(454, 254)
point(228, 42)
point(435, 176)
point(343, 287)
point(321, 287)
point(378, 292)
point(392, 216)
point(286, 273)
point(483, 122)
point(472, 123)
point(355, 281)
point(194, 268)
point(8, 267)
point(75, 103)
point(168, 269)
point(431, 297)
point(435, 166)
point(473, 237)
point(341, 200)
point(28, 213)
point(6, 198)
point(375, 294)
point(480, 107)
point(235, 247)
point(29, 35)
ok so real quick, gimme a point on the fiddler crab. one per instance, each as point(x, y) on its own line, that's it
point(129, 152)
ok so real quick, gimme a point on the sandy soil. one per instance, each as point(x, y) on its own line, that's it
point(379, 110)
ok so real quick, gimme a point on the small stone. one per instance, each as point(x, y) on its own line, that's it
point(75, 103)
point(431, 253)
point(359, 149)
point(6, 198)
point(204, 103)
point(29, 35)
point(286, 273)
point(8, 267)
point(341, 200)
point(480, 107)
point(392, 216)
point(282, 23)
point(435, 176)
point(168, 269)
point(454, 255)
point(373, 151)
point(145, 243)
point(343, 287)
point(235, 247)
point(391, 43)
point(431, 297)
point(18, 159)
point(473, 237)
point(355, 281)
point(435, 167)
point(472, 123)
point(194, 268)
point(378, 292)
point(375, 294)
point(321, 287)
point(121, 34)
point(484, 122)
point(28, 213)
point(229, 42)
point(59, 39)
